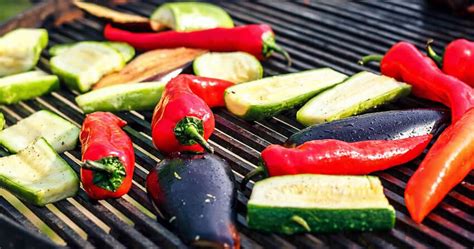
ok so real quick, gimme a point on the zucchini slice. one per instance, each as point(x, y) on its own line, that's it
point(38, 174)
point(20, 50)
point(126, 51)
point(60, 133)
point(357, 94)
point(85, 63)
point(319, 203)
point(267, 97)
point(24, 86)
point(140, 96)
point(2, 121)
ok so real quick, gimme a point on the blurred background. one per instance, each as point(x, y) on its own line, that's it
point(11, 8)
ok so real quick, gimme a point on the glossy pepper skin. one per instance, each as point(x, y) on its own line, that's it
point(448, 161)
point(405, 62)
point(458, 60)
point(208, 89)
point(182, 121)
point(108, 156)
point(195, 193)
point(255, 39)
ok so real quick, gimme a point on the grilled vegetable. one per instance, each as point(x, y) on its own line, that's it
point(355, 95)
point(189, 16)
point(24, 86)
point(236, 67)
point(85, 63)
point(257, 40)
point(60, 133)
point(405, 63)
point(195, 193)
point(126, 51)
point(267, 97)
point(120, 19)
point(447, 163)
point(108, 156)
point(150, 66)
point(143, 96)
point(20, 50)
point(375, 126)
point(2, 121)
point(319, 203)
point(37, 174)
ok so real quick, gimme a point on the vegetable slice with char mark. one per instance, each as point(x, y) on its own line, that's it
point(28, 85)
point(126, 51)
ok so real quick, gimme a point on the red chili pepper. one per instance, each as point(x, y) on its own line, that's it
point(208, 89)
point(182, 121)
point(337, 157)
point(255, 39)
point(458, 59)
point(405, 63)
point(448, 161)
point(108, 156)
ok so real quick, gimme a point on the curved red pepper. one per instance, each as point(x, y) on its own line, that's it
point(108, 155)
point(458, 60)
point(448, 161)
point(405, 63)
point(255, 39)
point(182, 121)
point(208, 89)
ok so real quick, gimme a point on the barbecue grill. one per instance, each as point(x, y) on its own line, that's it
point(316, 34)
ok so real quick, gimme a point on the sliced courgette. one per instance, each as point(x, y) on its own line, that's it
point(126, 51)
point(140, 96)
point(235, 67)
point(24, 86)
point(2, 121)
point(264, 98)
point(38, 174)
point(60, 48)
point(20, 50)
point(319, 203)
point(189, 16)
point(85, 63)
point(60, 133)
point(357, 94)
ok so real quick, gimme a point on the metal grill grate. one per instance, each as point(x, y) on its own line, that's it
point(318, 34)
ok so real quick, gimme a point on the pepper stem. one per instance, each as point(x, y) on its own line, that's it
point(255, 172)
point(373, 57)
point(192, 132)
point(432, 54)
point(270, 45)
point(96, 166)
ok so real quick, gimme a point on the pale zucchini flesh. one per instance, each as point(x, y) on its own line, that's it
point(125, 97)
point(38, 174)
point(123, 48)
point(60, 133)
point(20, 50)
point(84, 64)
point(267, 97)
point(319, 203)
point(24, 86)
point(357, 94)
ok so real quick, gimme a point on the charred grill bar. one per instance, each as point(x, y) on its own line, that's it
point(317, 34)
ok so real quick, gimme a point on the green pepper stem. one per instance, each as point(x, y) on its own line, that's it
point(96, 166)
point(260, 170)
point(193, 134)
point(373, 57)
point(432, 54)
point(269, 45)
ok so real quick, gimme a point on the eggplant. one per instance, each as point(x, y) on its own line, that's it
point(375, 126)
point(196, 193)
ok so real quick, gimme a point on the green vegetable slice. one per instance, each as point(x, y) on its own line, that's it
point(139, 96)
point(236, 67)
point(24, 86)
point(38, 174)
point(319, 203)
point(60, 133)
point(2, 121)
point(126, 51)
point(188, 16)
point(20, 50)
point(357, 94)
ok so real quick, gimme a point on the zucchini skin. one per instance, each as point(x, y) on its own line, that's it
point(375, 126)
point(279, 219)
point(2, 121)
point(196, 193)
point(16, 92)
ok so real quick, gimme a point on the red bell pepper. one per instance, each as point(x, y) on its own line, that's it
point(182, 121)
point(108, 156)
point(458, 59)
point(255, 39)
point(405, 63)
point(208, 89)
point(337, 157)
point(448, 161)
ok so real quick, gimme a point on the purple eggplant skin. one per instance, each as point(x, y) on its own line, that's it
point(196, 194)
point(387, 125)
